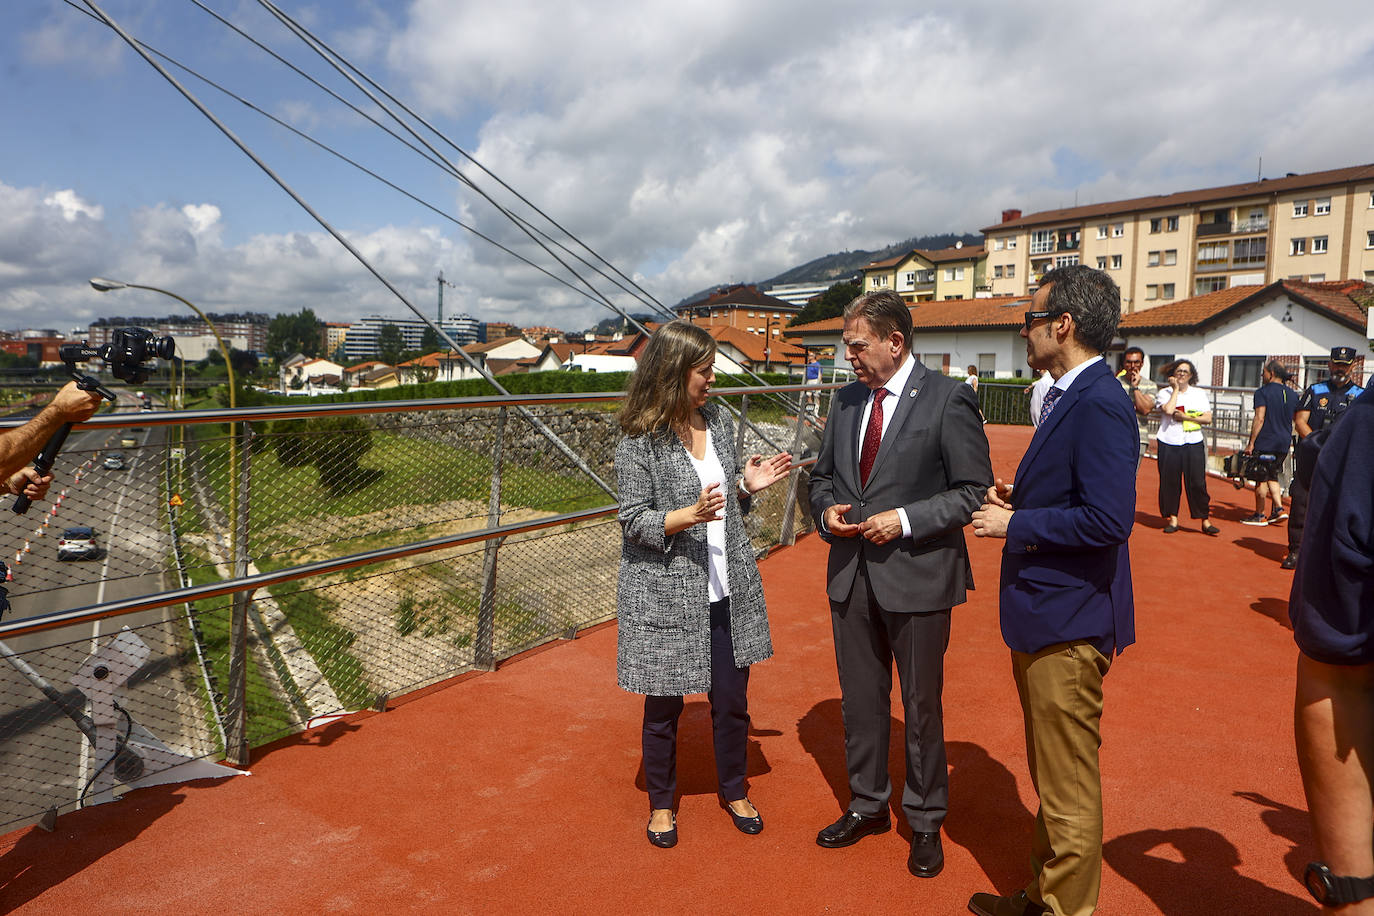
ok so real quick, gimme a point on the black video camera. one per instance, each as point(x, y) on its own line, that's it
point(127, 354)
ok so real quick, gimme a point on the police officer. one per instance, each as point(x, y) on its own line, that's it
point(1318, 407)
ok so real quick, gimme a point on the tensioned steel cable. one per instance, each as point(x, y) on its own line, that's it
point(224, 129)
point(343, 67)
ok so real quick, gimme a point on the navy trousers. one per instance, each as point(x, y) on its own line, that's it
point(729, 722)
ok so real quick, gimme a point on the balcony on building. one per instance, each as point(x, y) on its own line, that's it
point(1216, 227)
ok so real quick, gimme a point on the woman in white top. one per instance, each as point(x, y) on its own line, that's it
point(689, 597)
point(1183, 410)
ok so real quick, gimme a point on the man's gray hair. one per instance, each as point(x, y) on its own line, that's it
point(1091, 297)
point(885, 312)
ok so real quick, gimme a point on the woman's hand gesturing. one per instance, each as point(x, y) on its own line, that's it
point(709, 507)
point(760, 472)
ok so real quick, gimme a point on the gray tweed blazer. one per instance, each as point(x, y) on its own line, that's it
point(663, 593)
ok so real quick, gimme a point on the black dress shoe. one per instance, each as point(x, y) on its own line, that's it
point(1290, 561)
point(750, 825)
point(851, 828)
point(663, 839)
point(927, 855)
point(1018, 904)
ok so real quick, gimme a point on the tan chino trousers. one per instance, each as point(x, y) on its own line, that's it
point(1061, 701)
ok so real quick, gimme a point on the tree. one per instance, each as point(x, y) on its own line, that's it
point(288, 335)
point(430, 342)
point(829, 304)
point(390, 343)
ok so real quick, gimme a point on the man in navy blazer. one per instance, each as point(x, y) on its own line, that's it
point(1066, 601)
point(903, 464)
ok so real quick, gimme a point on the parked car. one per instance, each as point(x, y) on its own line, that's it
point(114, 462)
point(77, 543)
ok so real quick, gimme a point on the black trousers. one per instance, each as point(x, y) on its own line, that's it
point(1189, 464)
point(729, 697)
point(1297, 512)
point(868, 640)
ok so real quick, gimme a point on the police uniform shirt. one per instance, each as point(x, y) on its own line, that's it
point(1324, 398)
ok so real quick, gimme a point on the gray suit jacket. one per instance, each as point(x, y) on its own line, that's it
point(663, 600)
point(933, 462)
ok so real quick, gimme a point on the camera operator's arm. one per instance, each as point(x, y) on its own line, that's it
point(19, 446)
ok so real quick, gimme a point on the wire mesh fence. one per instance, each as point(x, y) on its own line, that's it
point(276, 493)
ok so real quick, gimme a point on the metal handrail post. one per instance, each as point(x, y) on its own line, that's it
point(484, 656)
point(236, 747)
point(788, 535)
point(245, 466)
point(739, 430)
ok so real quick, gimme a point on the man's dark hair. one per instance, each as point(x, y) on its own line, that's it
point(1277, 369)
point(1091, 297)
point(1129, 350)
point(885, 312)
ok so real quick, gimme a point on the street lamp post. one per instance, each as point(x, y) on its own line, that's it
point(237, 749)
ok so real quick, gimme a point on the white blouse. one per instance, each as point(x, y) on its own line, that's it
point(709, 471)
point(1171, 431)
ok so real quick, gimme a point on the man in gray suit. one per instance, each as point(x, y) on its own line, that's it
point(902, 467)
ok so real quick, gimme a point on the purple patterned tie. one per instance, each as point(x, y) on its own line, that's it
point(1048, 404)
point(873, 437)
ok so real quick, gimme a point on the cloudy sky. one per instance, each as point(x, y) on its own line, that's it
point(689, 143)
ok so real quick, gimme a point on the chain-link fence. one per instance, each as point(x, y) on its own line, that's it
point(290, 563)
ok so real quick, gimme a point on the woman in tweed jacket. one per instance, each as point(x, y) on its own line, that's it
point(690, 600)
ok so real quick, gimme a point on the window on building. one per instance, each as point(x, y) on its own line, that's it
point(1299, 209)
point(997, 271)
point(1315, 278)
point(1102, 231)
point(1245, 371)
point(1042, 241)
point(1369, 276)
point(1157, 363)
point(1213, 254)
point(954, 273)
point(1314, 369)
point(1066, 260)
point(1152, 291)
point(1208, 285)
point(1319, 244)
point(1118, 230)
point(1166, 291)
point(1171, 257)
point(1251, 251)
point(1153, 259)
point(1371, 200)
point(987, 363)
point(1101, 262)
point(909, 278)
point(1116, 262)
point(1011, 243)
point(1323, 206)
point(996, 244)
point(1297, 246)
point(1369, 239)
point(933, 360)
point(1156, 224)
point(956, 296)
point(1011, 271)
point(1171, 224)
point(751, 314)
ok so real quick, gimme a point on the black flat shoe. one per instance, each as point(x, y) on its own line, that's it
point(750, 825)
point(664, 839)
point(1170, 529)
point(1211, 529)
point(851, 828)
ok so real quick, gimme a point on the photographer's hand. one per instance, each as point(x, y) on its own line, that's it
point(28, 482)
point(73, 404)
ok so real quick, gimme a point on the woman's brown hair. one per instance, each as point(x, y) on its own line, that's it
point(656, 398)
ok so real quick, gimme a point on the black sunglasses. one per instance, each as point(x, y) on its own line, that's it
point(1032, 317)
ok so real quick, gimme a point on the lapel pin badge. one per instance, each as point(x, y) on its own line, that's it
point(912, 394)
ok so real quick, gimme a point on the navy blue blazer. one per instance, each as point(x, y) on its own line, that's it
point(1066, 568)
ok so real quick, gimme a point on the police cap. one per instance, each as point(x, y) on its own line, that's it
point(1342, 354)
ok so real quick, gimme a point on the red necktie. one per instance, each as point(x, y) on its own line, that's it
point(873, 437)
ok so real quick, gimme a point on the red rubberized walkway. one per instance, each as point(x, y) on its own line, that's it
point(519, 791)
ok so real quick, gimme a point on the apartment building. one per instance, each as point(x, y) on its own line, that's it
point(741, 306)
point(924, 276)
point(1313, 227)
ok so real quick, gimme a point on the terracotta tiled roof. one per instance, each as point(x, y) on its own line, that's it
point(751, 345)
point(1262, 188)
point(1337, 300)
point(364, 367)
point(376, 375)
point(886, 262)
point(964, 253)
point(745, 295)
point(946, 314)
